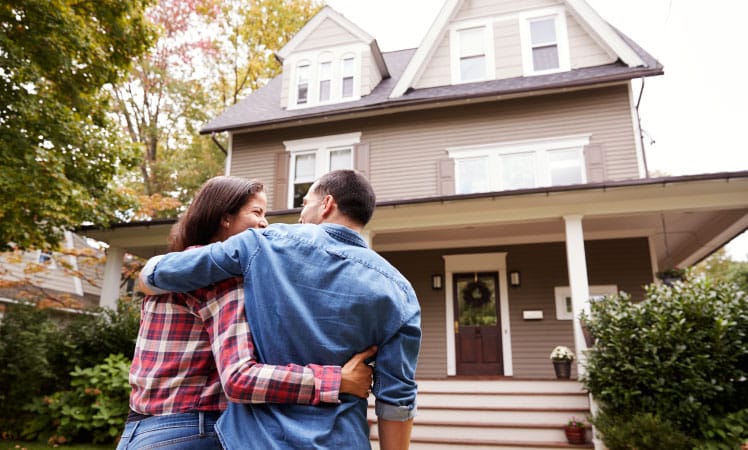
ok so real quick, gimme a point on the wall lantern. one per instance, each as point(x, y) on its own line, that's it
point(514, 279)
point(436, 281)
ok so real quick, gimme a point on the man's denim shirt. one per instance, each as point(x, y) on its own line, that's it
point(314, 294)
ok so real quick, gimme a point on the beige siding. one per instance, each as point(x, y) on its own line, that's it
point(328, 34)
point(285, 84)
point(583, 50)
point(437, 71)
point(623, 262)
point(405, 148)
point(370, 75)
point(475, 9)
point(508, 49)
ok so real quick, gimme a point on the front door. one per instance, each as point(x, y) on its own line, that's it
point(477, 324)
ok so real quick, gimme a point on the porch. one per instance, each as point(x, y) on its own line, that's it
point(501, 414)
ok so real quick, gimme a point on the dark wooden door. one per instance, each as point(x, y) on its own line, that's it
point(477, 324)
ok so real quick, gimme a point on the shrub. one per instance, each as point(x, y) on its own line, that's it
point(680, 356)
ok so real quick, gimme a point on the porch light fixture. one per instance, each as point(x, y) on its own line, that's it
point(514, 279)
point(436, 281)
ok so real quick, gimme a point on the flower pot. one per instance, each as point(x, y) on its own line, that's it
point(563, 369)
point(575, 435)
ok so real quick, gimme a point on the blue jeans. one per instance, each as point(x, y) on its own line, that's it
point(185, 431)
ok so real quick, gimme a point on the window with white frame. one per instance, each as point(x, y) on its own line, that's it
point(302, 83)
point(544, 41)
point(471, 45)
point(311, 158)
point(519, 165)
point(325, 81)
point(564, 307)
point(347, 81)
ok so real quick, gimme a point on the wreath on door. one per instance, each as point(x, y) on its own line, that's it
point(476, 294)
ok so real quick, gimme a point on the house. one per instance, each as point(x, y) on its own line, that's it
point(67, 280)
point(512, 187)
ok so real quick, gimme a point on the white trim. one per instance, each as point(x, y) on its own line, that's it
point(611, 41)
point(313, 58)
point(653, 257)
point(637, 132)
point(477, 262)
point(426, 49)
point(77, 282)
point(562, 293)
point(112, 276)
point(576, 261)
point(562, 40)
point(229, 154)
point(333, 140)
point(488, 49)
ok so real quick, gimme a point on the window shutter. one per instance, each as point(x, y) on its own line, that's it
point(280, 189)
point(446, 176)
point(594, 158)
point(361, 161)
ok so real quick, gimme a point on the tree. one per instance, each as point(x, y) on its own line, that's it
point(720, 267)
point(59, 154)
point(208, 55)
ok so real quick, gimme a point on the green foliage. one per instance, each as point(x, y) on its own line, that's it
point(680, 356)
point(58, 151)
point(640, 432)
point(720, 267)
point(38, 353)
point(93, 409)
point(725, 433)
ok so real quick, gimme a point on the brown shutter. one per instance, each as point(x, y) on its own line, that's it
point(280, 189)
point(594, 158)
point(446, 176)
point(361, 158)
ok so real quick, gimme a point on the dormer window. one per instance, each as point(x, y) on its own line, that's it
point(325, 81)
point(471, 47)
point(347, 73)
point(544, 42)
point(302, 83)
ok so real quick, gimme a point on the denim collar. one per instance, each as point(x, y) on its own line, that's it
point(344, 234)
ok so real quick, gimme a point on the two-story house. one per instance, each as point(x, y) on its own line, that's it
point(507, 159)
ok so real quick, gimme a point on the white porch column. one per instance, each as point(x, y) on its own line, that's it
point(112, 277)
point(578, 282)
point(368, 236)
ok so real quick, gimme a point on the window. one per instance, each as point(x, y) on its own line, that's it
point(472, 54)
point(314, 157)
point(302, 83)
point(325, 80)
point(520, 165)
point(347, 72)
point(544, 41)
point(564, 309)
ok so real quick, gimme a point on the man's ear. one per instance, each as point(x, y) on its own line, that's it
point(328, 205)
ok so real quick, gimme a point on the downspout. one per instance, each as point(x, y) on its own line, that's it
point(641, 132)
point(215, 141)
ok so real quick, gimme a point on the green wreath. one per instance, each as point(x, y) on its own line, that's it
point(476, 294)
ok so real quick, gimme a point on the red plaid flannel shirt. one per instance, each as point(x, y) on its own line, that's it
point(189, 345)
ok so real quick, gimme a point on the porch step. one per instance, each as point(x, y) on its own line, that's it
point(498, 415)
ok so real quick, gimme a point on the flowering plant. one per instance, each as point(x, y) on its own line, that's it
point(562, 353)
point(575, 423)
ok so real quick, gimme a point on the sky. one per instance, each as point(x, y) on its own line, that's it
point(694, 117)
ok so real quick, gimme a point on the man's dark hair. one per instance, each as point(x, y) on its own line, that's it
point(217, 198)
point(352, 192)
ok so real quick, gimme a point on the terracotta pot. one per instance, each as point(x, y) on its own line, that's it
point(563, 369)
point(575, 435)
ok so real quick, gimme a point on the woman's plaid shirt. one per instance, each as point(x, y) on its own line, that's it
point(189, 345)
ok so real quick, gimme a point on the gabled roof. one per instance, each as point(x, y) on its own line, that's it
point(262, 108)
point(328, 13)
point(598, 28)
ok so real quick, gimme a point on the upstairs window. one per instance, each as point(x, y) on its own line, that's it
point(471, 46)
point(520, 165)
point(312, 158)
point(544, 42)
point(325, 81)
point(347, 77)
point(302, 83)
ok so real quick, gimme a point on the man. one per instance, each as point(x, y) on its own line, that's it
point(315, 293)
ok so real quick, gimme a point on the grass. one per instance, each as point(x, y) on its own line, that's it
point(40, 445)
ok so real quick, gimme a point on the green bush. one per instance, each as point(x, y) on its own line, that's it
point(39, 350)
point(681, 357)
point(93, 410)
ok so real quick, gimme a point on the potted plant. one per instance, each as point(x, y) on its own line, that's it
point(575, 431)
point(562, 357)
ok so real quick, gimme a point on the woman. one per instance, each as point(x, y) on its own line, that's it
point(192, 345)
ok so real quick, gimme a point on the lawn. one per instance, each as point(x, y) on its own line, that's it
point(40, 445)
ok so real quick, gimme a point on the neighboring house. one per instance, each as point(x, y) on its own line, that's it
point(68, 280)
point(508, 164)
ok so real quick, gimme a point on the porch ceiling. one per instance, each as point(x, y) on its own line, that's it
point(685, 218)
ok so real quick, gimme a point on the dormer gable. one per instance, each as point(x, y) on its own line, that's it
point(483, 40)
point(330, 60)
